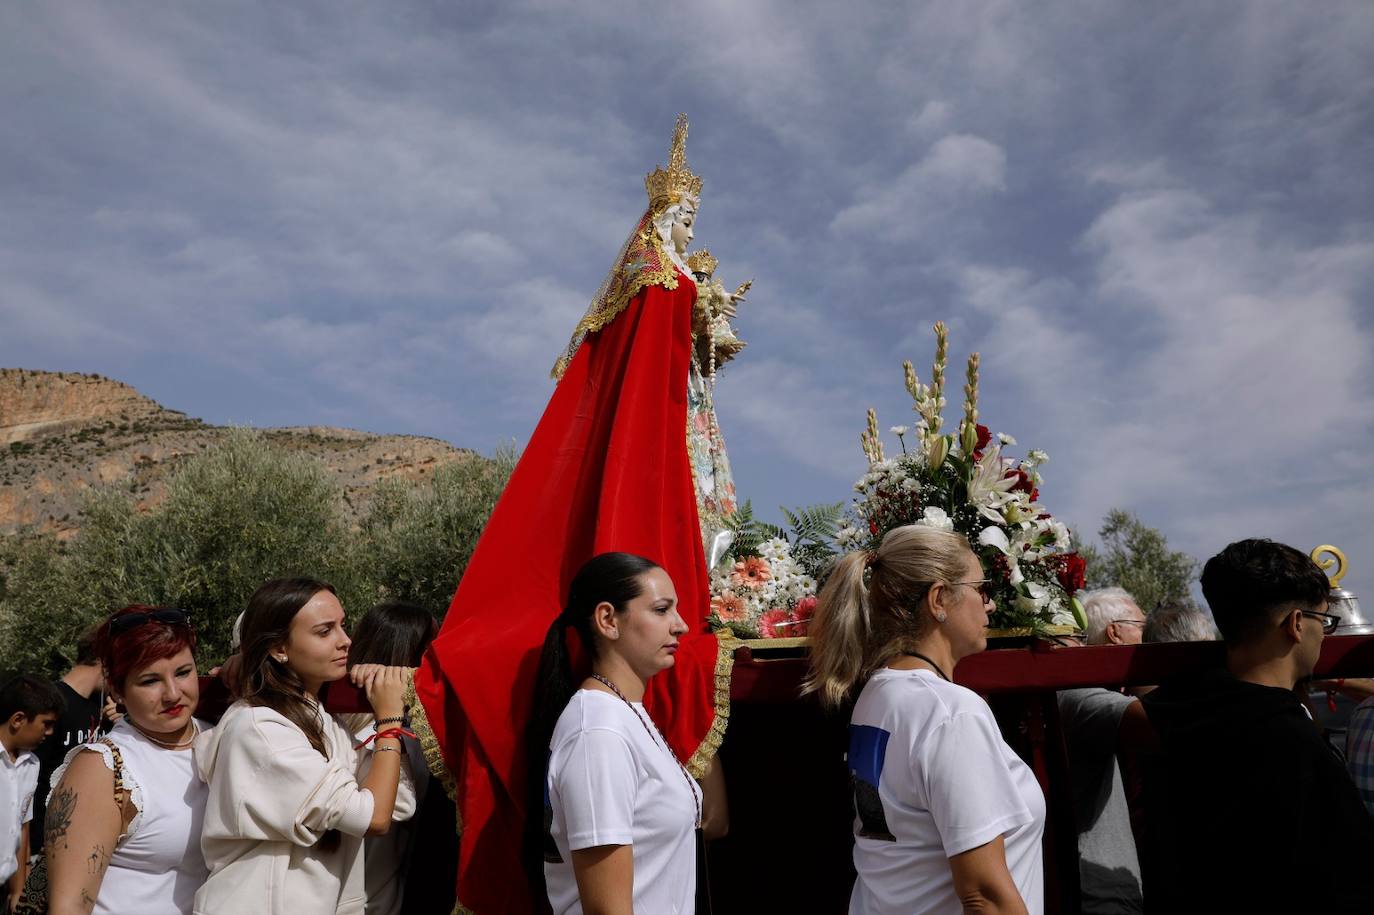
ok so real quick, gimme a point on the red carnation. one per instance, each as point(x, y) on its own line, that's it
point(984, 436)
point(1023, 482)
point(1071, 573)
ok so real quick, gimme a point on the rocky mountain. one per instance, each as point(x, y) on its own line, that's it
point(62, 433)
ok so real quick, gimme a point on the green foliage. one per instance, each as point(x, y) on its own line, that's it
point(234, 517)
point(750, 532)
point(1137, 557)
point(417, 539)
point(811, 537)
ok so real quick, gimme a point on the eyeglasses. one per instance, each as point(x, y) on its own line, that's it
point(984, 587)
point(1329, 621)
point(129, 621)
point(1128, 622)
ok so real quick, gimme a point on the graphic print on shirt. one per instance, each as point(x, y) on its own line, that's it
point(867, 750)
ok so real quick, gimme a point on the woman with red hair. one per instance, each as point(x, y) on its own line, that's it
point(124, 817)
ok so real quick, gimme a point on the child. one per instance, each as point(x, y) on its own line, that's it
point(28, 708)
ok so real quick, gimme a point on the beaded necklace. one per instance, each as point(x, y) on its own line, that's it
point(663, 741)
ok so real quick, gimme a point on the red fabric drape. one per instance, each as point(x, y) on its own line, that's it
point(606, 469)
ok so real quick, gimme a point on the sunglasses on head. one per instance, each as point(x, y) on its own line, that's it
point(170, 617)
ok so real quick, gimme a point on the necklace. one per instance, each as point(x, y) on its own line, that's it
point(172, 744)
point(921, 657)
point(663, 741)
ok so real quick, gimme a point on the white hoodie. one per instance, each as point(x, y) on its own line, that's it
point(272, 797)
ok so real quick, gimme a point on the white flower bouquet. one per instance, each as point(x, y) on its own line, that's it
point(964, 482)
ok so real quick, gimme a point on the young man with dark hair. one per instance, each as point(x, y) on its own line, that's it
point(1248, 809)
point(28, 708)
point(81, 722)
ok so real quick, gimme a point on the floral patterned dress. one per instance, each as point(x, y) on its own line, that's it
point(711, 477)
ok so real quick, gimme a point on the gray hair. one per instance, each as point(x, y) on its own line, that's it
point(1102, 607)
point(1180, 623)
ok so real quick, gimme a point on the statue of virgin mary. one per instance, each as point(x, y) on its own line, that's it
point(607, 468)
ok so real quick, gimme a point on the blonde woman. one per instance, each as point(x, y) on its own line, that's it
point(949, 817)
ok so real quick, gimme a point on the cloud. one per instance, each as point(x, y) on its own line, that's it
point(956, 168)
point(1152, 224)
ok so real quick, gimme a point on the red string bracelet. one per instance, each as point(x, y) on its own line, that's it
point(1331, 694)
point(396, 733)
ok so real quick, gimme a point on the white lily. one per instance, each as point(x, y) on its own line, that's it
point(1032, 598)
point(989, 489)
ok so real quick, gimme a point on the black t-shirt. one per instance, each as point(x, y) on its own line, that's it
point(1247, 808)
point(80, 724)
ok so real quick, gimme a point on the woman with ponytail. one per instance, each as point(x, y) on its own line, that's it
point(288, 809)
point(949, 819)
point(614, 818)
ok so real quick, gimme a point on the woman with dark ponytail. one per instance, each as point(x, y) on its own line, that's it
point(613, 819)
point(949, 819)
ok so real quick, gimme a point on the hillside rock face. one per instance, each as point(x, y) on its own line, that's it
point(39, 403)
point(62, 433)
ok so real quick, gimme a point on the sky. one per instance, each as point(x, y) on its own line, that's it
point(1153, 222)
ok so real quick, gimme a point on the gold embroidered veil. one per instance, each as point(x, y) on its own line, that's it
point(644, 259)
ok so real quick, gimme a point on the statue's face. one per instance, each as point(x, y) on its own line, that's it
point(681, 232)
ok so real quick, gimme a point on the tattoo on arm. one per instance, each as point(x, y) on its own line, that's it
point(59, 817)
point(97, 860)
point(86, 899)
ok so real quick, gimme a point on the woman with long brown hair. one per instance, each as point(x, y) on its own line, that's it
point(949, 817)
point(287, 814)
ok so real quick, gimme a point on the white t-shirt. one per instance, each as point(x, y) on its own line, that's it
point(18, 781)
point(611, 781)
point(933, 778)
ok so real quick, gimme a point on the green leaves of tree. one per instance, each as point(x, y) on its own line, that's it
point(1137, 557)
point(234, 517)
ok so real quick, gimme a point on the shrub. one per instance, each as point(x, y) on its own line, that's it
point(417, 538)
point(236, 515)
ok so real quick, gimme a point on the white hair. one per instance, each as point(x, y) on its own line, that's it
point(1180, 624)
point(1102, 607)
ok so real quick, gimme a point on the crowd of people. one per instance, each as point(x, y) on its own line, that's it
point(278, 807)
point(1193, 796)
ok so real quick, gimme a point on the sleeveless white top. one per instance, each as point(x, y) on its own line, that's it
point(157, 865)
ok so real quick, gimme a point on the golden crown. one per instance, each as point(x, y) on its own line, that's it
point(702, 262)
point(667, 186)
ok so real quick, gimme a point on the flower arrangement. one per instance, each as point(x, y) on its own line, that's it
point(767, 587)
point(962, 481)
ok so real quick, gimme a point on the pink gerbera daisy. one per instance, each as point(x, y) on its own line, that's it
point(729, 607)
point(751, 573)
point(776, 624)
point(802, 613)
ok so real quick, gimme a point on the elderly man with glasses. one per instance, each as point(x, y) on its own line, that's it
point(1114, 618)
point(1094, 721)
point(1245, 789)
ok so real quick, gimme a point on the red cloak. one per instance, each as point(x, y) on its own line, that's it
point(606, 469)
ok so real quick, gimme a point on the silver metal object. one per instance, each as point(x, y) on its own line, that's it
point(1346, 605)
point(1341, 602)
